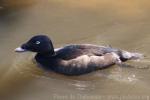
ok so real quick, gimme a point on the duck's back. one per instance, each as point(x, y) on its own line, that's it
point(73, 51)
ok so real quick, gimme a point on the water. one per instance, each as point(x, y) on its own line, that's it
point(121, 24)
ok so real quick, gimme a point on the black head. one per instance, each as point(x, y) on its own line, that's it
point(39, 44)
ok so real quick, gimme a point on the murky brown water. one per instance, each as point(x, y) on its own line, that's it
point(121, 24)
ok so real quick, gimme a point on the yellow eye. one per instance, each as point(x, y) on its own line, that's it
point(37, 42)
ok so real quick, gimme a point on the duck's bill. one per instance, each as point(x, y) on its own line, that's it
point(19, 49)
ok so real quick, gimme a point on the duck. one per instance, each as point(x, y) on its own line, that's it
point(74, 59)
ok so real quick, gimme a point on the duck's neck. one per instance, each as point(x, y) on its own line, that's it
point(47, 54)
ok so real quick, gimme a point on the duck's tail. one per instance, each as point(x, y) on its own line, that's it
point(125, 55)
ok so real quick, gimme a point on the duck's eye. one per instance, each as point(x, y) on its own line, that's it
point(37, 42)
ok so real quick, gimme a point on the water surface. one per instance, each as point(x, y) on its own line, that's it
point(121, 24)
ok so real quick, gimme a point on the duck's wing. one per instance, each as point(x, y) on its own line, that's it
point(73, 51)
point(85, 64)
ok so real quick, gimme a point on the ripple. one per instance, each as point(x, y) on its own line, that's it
point(82, 85)
point(24, 64)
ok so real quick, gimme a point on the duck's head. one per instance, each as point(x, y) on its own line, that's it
point(39, 44)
